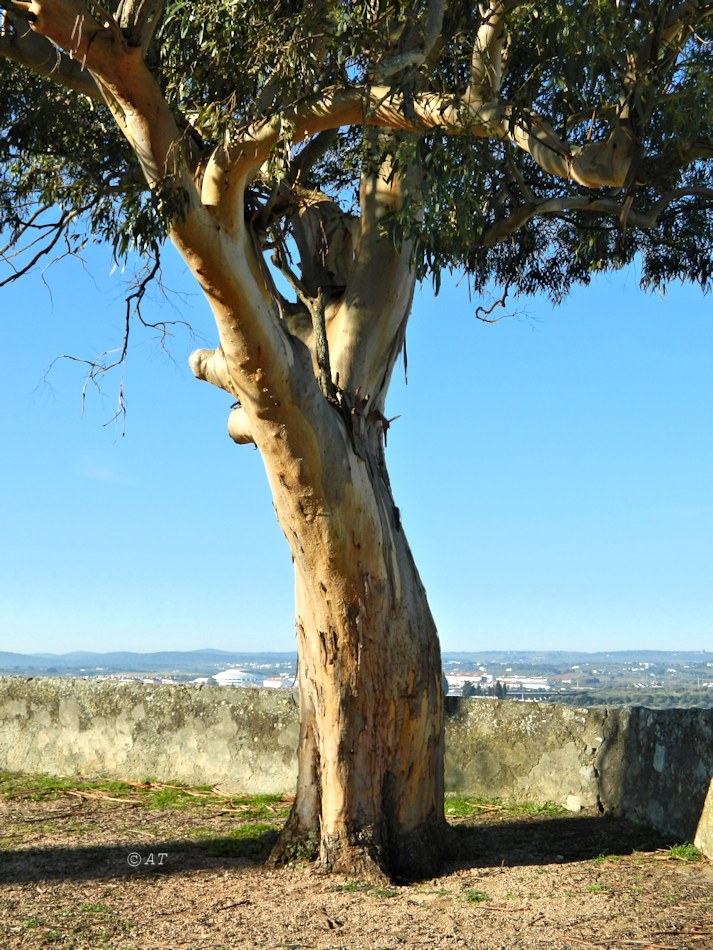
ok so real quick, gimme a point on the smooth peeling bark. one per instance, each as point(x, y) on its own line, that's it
point(370, 787)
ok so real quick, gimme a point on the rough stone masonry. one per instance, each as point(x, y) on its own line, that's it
point(653, 766)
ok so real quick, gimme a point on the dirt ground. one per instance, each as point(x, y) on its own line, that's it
point(88, 872)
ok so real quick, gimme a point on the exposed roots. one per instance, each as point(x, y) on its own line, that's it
point(296, 842)
point(363, 855)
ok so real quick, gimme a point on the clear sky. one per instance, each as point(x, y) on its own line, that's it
point(554, 473)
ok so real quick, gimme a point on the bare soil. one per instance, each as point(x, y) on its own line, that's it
point(88, 872)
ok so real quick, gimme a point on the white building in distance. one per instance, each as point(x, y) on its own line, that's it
point(237, 678)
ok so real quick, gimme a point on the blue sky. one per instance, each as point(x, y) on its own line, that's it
point(554, 473)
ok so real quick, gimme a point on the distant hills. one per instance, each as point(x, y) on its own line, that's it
point(202, 662)
point(563, 657)
point(165, 661)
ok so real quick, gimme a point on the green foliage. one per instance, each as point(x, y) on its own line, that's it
point(61, 152)
point(227, 63)
point(665, 697)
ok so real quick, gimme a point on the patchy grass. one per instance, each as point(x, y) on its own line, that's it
point(256, 820)
point(252, 840)
point(82, 892)
point(603, 857)
point(458, 806)
point(474, 896)
point(148, 793)
point(438, 891)
point(685, 852)
point(89, 908)
point(40, 788)
point(362, 887)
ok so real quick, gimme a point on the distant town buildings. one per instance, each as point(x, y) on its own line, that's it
point(234, 677)
point(486, 681)
point(640, 677)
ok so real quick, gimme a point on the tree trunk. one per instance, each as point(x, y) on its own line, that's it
point(369, 797)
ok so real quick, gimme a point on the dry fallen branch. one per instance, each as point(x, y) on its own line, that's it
point(486, 807)
point(102, 796)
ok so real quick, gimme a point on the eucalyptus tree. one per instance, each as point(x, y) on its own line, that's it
point(355, 148)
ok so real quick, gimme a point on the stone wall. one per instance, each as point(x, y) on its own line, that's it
point(653, 766)
point(240, 739)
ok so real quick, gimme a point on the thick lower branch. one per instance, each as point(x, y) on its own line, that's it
point(20, 44)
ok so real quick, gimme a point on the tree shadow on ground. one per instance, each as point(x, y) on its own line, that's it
point(517, 841)
point(507, 841)
point(86, 862)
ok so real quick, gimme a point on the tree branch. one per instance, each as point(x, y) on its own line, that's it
point(367, 330)
point(19, 43)
point(130, 90)
point(231, 166)
point(672, 26)
point(48, 236)
point(597, 164)
point(644, 220)
point(304, 161)
point(486, 61)
point(419, 46)
point(138, 21)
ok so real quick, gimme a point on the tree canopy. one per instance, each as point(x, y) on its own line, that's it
point(552, 138)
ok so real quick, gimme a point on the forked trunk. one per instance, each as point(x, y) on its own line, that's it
point(369, 797)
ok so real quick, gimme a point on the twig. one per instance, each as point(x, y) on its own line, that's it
point(230, 906)
point(486, 807)
point(179, 788)
point(101, 796)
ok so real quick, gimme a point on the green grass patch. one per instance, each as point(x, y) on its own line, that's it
point(149, 793)
point(601, 858)
point(256, 819)
point(362, 887)
point(439, 891)
point(459, 806)
point(474, 896)
point(685, 852)
point(597, 889)
point(89, 908)
point(250, 840)
point(43, 787)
